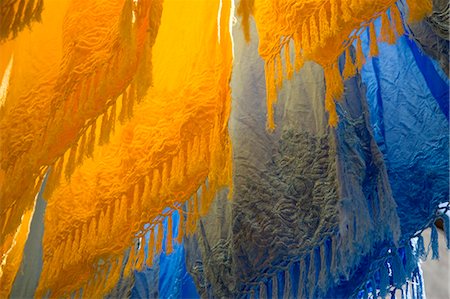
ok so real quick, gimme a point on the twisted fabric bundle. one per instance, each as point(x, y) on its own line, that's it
point(321, 30)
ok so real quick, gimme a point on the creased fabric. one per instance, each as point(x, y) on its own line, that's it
point(305, 199)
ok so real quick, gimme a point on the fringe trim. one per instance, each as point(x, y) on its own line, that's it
point(122, 210)
point(399, 270)
point(313, 34)
point(18, 14)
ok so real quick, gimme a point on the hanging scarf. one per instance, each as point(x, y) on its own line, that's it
point(175, 144)
point(321, 31)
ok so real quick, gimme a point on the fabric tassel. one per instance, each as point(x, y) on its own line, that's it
point(262, 291)
point(123, 111)
point(275, 287)
point(150, 249)
point(279, 78)
point(421, 253)
point(313, 33)
point(306, 45)
point(334, 90)
point(131, 99)
point(112, 118)
point(387, 33)
point(324, 26)
point(301, 293)
point(70, 165)
point(312, 282)
point(335, 16)
point(398, 272)
point(446, 220)
point(325, 261)
point(287, 285)
point(360, 58)
point(287, 58)
point(410, 260)
point(346, 13)
point(156, 181)
point(81, 149)
point(271, 96)
point(159, 238)
point(434, 242)
point(373, 40)
point(169, 245)
point(104, 132)
point(91, 141)
point(130, 263)
point(384, 280)
point(396, 17)
point(349, 68)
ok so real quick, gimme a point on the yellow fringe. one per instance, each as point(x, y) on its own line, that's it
point(396, 17)
point(387, 32)
point(360, 58)
point(91, 141)
point(287, 58)
point(81, 149)
point(324, 25)
point(70, 165)
point(349, 68)
point(373, 40)
point(169, 245)
point(334, 91)
point(159, 238)
point(270, 94)
point(313, 33)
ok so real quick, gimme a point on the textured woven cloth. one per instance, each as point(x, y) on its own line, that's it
point(118, 111)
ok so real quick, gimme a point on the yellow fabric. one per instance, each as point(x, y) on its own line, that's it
point(87, 66)
point(320, 30)
point(56, 96)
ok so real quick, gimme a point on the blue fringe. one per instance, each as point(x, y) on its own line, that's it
point(421, 248)
point(398, 272)
point(384, 280)
point(434, 242)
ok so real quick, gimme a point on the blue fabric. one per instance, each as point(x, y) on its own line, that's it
point(169, 275)
point(407, 99)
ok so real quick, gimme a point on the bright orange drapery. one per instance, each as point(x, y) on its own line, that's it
point(173, 140)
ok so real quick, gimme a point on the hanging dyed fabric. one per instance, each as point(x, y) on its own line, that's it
point(118, 112)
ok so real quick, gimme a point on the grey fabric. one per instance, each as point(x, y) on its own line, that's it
point(432, 34)
point(294, 190)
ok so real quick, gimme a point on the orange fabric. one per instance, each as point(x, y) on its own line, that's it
point(52, 105)
point(175, 143)
point(321, 30)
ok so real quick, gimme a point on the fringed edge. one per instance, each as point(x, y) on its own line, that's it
point(399, 270)
point(314, 269)
point(153, 186)
point(314, 32)
point(16, 15)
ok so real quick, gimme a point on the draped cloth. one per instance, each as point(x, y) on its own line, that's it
point(119, 109)
point(155, 159)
